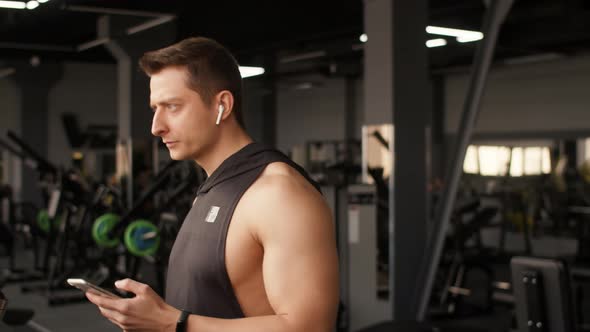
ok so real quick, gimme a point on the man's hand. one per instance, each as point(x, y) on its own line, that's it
point(145, 312)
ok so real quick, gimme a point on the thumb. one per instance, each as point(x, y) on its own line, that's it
point(131, 285)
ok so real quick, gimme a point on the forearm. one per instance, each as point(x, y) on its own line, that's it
point(273, 323)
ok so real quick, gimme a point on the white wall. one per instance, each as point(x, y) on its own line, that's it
point(550, 96)
point(88, 90)
point(317, 113)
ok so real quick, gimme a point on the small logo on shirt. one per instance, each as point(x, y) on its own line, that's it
point(212, 215)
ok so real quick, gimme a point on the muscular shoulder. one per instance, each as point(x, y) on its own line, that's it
point(280, 181)
point(282, 196)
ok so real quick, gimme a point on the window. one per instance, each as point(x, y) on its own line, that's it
point(471, 164)
point(493, 160)
point(499, 160)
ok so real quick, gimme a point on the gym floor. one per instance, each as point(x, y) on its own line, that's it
point(82, 316)
point(65, 318)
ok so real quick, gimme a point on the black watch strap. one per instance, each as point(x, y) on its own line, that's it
point(182, 321)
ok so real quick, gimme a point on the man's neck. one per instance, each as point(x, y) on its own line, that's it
point(223, 149)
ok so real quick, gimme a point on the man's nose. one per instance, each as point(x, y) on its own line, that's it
point(158, 124)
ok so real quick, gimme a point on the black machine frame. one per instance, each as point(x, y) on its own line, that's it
point(542, 295)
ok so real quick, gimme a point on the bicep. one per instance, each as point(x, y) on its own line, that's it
point(300, 265)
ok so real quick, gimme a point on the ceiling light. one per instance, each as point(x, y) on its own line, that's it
point(463, 36)
point(251, 71)
point(436, 42)
point(467, 39)
point(42, 1)
point(32, 4)
point(12, 4)
point(363, 38)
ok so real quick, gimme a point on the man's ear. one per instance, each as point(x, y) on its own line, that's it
point(225, 105)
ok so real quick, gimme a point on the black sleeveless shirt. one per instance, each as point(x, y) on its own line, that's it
point(197, 279)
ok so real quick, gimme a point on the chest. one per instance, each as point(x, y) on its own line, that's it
point(215, 244)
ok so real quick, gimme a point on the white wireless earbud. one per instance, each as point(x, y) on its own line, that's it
point(219, 114)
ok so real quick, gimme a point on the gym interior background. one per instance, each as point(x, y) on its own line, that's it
point(456, 161)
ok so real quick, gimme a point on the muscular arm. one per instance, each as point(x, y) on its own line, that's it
point(294, 226)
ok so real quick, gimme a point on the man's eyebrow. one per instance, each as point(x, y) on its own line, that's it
point(165, 101)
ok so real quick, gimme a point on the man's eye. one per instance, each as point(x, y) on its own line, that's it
point(172, 107)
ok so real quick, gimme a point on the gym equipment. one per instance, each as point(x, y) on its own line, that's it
point(64, 193)
point(580, 282)
point(15, 222)
point(109, 229)
point(44, 221)
point(333, 162)
point(466, 260)
point(543, 295)
point(142, 238)
point(71, 242)
point(365, 306)
point(47, 174)
point(101, 229)
point(582, 217)
point(93, 137)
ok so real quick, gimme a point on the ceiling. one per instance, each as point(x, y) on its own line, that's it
point(535, 29)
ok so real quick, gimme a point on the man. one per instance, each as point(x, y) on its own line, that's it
point(257, 251)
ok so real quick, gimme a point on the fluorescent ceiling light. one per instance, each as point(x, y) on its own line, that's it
point(32, 4)
point(467, 39)
point(42, 1)
point(251, 71)
point(463, 36)
point(436, 42)
point(363, 38)
point(12, 4)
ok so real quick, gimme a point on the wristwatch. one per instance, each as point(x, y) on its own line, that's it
point(182, 321)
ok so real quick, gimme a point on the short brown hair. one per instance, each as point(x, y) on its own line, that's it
point(211, 68)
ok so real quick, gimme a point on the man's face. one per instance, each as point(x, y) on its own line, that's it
point(181, 118)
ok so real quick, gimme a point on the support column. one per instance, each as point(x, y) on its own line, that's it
point(397, 90)
point(35, 82)
point(411, 113)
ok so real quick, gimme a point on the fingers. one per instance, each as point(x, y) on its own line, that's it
point(115, 317)
point(107, 303)
point(114, 310)
point(132, 286)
